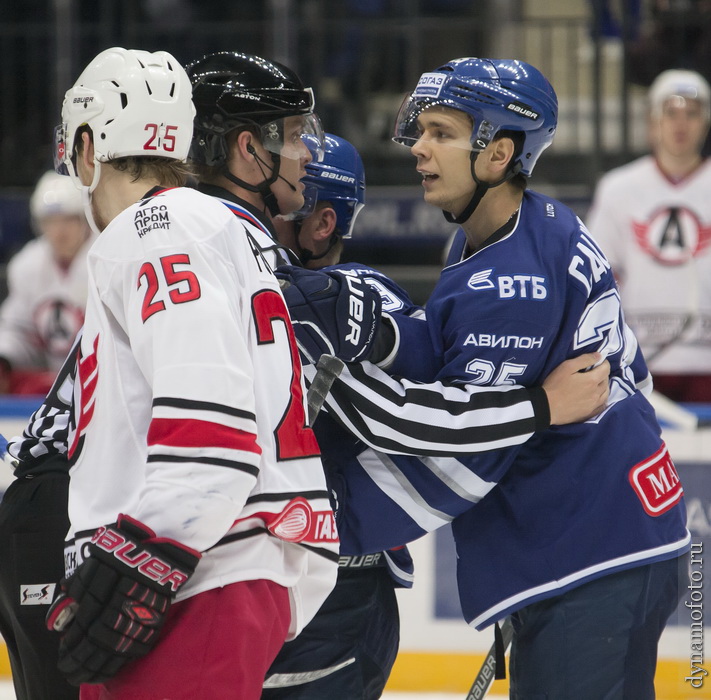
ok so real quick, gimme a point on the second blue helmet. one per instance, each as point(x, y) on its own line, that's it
point(339, 179)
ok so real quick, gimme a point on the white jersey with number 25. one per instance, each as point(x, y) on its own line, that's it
point(189, 405)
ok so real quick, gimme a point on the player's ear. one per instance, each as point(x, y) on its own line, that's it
point(244, 144)
point(326, 223)
point(502, 151)
point(86, 153)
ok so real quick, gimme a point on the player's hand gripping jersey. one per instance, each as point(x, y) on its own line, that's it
point(567, 506)
point(223, 461)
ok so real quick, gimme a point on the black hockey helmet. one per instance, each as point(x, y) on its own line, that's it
point(232, 89)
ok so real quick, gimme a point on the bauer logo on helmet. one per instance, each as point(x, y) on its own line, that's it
point(523, 110)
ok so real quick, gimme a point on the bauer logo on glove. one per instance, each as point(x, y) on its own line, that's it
point(333, 312)
point(128, 552)
point(112, 608)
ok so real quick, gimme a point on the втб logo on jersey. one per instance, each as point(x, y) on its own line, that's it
point(673, 235)
point(510, 286)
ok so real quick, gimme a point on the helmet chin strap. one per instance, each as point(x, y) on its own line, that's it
point(88, 211)
point(86, 194)
point(481, 189)
point(264, 188)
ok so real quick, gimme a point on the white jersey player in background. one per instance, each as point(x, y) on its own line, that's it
point(652, 218)
point(47, 282)
point(189, 443)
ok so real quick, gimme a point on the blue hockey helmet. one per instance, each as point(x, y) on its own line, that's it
point(499, 95)
point(339, 179)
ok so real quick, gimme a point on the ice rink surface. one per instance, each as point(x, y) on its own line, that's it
point(7, 693)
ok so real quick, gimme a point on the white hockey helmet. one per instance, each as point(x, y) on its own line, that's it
point(137, 104)
point(679, 83)
point(55, 194)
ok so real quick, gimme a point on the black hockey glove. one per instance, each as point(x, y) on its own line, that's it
point(111, 609)
point(332, 312)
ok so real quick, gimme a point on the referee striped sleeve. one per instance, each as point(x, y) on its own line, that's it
point(403, 417)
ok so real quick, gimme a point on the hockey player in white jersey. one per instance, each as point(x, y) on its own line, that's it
point(47, 280)
point(652, 218)
point(195, 479)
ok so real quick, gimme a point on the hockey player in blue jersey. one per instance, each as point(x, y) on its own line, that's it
point(348, 649)
point(580, 533)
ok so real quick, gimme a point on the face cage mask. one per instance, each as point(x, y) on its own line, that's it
point(407, 131)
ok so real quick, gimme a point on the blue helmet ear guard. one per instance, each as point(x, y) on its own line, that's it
point(339, 179)
point(499, 95)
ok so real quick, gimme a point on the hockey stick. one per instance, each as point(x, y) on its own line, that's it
point(487, 672)
point(328, 368)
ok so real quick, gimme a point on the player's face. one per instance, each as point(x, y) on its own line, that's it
point(65, 234)
point(443, 152)
point(295, 156)
point(680, 128)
